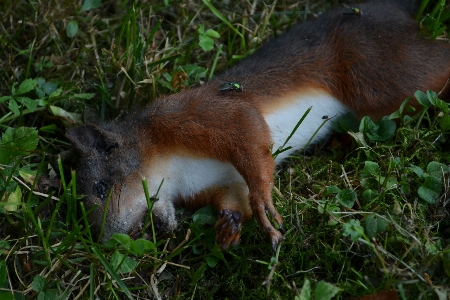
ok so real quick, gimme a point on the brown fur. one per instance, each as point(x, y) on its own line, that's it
point(371, 63)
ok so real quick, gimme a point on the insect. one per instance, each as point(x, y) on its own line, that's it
point(231, 86)
point(354, 10)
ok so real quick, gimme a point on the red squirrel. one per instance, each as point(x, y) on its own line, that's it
point(213, 144)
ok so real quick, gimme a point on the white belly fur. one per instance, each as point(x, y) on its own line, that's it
point(187, 176)
point(282, 121)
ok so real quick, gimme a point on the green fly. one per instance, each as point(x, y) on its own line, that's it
point(354, 10)
point(231, 86)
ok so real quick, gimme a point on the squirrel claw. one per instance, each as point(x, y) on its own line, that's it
point(276, 238)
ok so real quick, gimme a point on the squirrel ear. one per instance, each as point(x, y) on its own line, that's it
point(89, 137)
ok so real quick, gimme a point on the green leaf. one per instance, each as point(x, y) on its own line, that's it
point(17, 142)
point(378, 132)
point(370, 169)
point(345, 123)
point(431, 248)
point(386, 130)
point(27, 174)
point(5, 98)
point(58, 111)
point(437, 169)
point(407, 118)
point(126, 264)
point(430, 189)
point(371, 179)
point(305, 292)
point(346, 197)
point(442, 105)
point(205, 215)
point(211, 261)
point(388, 182)
point(90, 4)
point(26, 86)
point(40, 81)
point(366, 124)
point(140, 246)
point(41, 102)
point(13, 106)
point(4, 244)
point(48, 295)
point(374, 225)
point(49, 87)
point(422, 98)
point(325, 291)
point(395, 115)
point(205, 42)
point(38, 283)
point(13, 201)
point(28, 103)
point(45, 88)
point(354, 229)
point(40, 93)
point(419, 172)
point(201, 29)
point(72, 28)
point(444, 122)
point(433, 98)
point(55, 93)
point(332, 190)
point(212, 33)
point(123, 239)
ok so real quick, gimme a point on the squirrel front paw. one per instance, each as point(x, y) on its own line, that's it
point(228, 228)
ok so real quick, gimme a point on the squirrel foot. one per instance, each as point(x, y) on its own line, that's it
point(228, 228)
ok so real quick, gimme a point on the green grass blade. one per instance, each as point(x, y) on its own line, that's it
point(221, 17)
point(282, 149)
point(111, 272)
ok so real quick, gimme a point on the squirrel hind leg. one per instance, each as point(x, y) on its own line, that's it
point(259, 177)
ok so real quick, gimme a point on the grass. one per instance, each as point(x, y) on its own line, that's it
point(363, 215)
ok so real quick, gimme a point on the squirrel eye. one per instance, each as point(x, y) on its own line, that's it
point(108, 148)
point(101, 189)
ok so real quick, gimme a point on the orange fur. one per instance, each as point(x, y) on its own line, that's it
point(207, 146)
